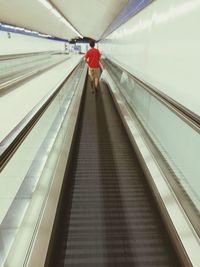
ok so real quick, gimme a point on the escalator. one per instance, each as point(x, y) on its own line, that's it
point(107, 215)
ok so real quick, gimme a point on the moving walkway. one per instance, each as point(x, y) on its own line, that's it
point(101, 198)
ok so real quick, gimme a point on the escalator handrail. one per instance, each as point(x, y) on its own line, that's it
point(191, 212)
point(30, 72)
point(12, 141)
point(192, 119)
point(17, 56)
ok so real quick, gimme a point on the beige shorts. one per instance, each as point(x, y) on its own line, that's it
point(94, 72)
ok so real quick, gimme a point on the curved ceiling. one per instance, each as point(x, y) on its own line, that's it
point(89, 17)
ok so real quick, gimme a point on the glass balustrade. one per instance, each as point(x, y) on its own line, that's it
point(13, 66)
point(30, 169)
point(177, 140)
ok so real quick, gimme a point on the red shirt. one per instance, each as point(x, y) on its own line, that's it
point(93, 55)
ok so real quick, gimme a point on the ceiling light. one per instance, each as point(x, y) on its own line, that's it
point(46, 4)
point(56, 13)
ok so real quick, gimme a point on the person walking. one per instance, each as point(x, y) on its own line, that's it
point(92, 57)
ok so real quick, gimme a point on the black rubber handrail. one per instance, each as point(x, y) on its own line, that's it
point(11, 142)
point(33, 71)
point(187, 115)
point(192, 120)
point(15, 56)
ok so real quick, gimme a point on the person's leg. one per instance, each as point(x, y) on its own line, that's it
point(96, 77)
point(92, 79)
point(92, 83)
point(96, 82)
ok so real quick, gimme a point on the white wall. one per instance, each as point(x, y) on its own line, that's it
point(84, 47)
point(161, 45)
point(14, 43)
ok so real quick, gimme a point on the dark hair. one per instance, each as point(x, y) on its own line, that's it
point(92, 43)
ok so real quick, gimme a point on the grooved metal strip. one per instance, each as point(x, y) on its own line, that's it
point(109, 217)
